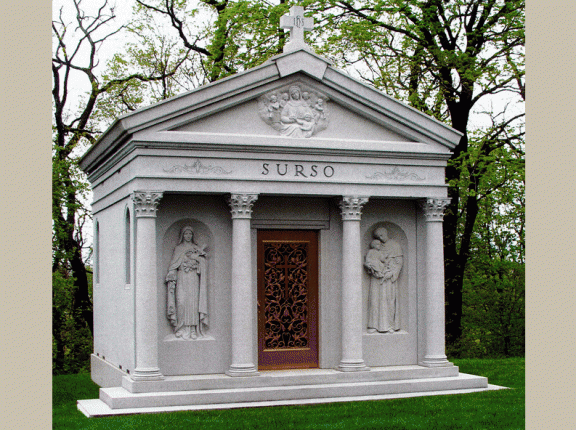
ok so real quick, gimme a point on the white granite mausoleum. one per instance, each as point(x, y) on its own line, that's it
point(272, 238)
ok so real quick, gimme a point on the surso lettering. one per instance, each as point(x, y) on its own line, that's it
point(297, 170)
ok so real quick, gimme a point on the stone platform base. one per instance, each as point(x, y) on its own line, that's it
point(277, 388)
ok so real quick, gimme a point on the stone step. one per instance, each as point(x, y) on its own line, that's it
point(280, 378)
point(120, 398)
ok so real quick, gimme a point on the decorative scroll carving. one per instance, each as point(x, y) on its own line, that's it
point(286, 292)
point(187, 302)
point(241, 205)
point(396, 175)
point(197, 167)
point(384, 263)
point(434, 208)
point(146, 203)
point(295, 111)
point(352, 207)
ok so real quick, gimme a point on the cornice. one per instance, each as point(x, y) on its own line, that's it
point(210, 99)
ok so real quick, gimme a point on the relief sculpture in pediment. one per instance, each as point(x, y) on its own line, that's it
point(295, 111)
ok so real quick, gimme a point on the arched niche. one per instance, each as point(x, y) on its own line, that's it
point(203, 237)
point(397, 234)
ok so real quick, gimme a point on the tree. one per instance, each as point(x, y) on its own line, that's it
point(235, 35)
point(75, 52)
point(493, 297)
point(443, 58)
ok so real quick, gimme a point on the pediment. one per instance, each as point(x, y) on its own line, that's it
point(315, 115)
point(249, 108)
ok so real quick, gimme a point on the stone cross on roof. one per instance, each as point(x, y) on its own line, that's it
point(297, 24)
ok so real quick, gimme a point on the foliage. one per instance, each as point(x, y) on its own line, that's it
point(75, 52)
point(442, 58)
point(199, 42)
point(234, 36)
point(71, 340)
point(494, 286)
point(494, 306)
point(501, 409)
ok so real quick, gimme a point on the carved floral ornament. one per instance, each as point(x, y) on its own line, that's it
point(197, 167)
point(434, 208)
point(294, 111)
point(351, 207)
point(146, 203)
point(395, 174)
point(241, 205)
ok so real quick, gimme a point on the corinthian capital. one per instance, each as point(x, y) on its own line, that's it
point(241, 205)
point(351, 207)
point(434, 208)
point(146, 202)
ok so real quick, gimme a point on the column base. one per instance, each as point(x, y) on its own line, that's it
point(353, 366)
point(147, 374)
point(242, 370)
point(435, 361)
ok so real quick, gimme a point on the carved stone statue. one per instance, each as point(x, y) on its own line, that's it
point(296, 113)
point(384, 263)
point(187, 306)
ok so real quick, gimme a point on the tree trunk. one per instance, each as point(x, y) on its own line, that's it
point(82, 300)
point(57, 339)
point(454, 261)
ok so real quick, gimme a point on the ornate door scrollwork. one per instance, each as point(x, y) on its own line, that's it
point(287, 299)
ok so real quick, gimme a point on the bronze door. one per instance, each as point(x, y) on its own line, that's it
point(287, 299)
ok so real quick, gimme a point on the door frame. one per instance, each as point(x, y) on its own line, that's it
point(290, 358)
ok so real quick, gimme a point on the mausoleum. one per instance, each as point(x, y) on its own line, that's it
point(274, 237)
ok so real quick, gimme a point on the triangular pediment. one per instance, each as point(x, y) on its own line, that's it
point(275, 113)
point(256, 105)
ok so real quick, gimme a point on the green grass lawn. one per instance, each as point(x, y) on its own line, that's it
point(502, 409)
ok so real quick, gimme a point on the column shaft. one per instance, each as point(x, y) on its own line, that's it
point(242, 306)
point(435, 355)
point(146, 295)
point(352, 328)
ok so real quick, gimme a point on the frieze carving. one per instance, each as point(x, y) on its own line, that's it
point(187, 301)
point(241, 205)
point(434, 208)
point(351, 207)
point(396, 175)
point(197, 167)
point(295, 111)
point(146, 203)
point(383, 262)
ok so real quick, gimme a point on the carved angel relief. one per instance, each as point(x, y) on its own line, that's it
point(295, 111)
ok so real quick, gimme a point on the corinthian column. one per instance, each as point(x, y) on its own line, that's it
point(242, 306)
point(146, 296)
point(435, 355)
point(351, 285)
